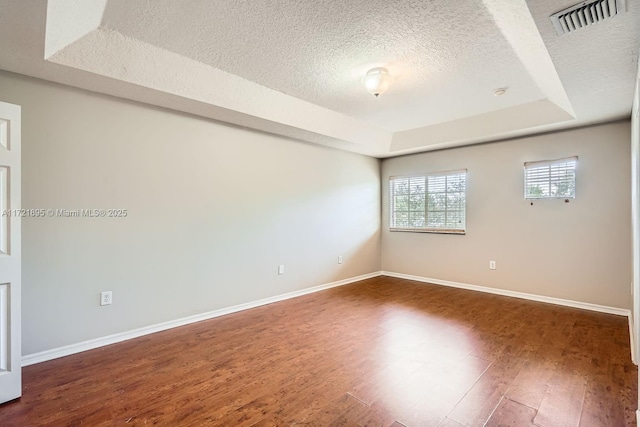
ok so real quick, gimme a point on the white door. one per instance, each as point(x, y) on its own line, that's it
point(10, 217)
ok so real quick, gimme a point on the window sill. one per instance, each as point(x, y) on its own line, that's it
point(532, 199)
point(429, 230)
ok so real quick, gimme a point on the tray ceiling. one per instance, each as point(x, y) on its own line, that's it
point(294, 67)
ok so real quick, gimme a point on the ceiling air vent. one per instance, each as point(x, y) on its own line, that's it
point(586, 13)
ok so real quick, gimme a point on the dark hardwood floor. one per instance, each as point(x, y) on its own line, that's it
point(381, 352)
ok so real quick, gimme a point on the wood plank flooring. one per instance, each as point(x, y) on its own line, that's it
point(381, 352)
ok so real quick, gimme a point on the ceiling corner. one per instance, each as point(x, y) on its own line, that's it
point(69, 21)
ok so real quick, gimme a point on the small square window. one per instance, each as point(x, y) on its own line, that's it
point(554, 179)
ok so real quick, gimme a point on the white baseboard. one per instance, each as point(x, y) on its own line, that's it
point(67, 350)
point(522, 295)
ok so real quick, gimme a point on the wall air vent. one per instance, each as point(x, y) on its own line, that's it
point(586, 13)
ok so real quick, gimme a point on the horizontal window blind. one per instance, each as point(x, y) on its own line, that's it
point(550, 179)
point(431, 203)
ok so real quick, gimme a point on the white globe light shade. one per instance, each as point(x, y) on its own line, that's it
point(377, 81)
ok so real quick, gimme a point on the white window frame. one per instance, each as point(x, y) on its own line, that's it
point(427, 228)
point(549, 175)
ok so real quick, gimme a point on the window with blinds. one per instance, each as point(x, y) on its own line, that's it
point(430, 203)
point(550, 179)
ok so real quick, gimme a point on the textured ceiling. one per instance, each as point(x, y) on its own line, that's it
point(294, 67)
point(323, 48)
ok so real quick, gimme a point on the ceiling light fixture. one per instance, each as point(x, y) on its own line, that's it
point(377, 81)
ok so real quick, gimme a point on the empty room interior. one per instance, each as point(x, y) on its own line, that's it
point(318, 213)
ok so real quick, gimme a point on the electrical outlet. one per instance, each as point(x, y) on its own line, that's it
point(492, 265)
point(106, 298)
point(281, 269)
point(339, 259)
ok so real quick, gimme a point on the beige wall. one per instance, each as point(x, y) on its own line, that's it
point(212, 211)
point(578, 251)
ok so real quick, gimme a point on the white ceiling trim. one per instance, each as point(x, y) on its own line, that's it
point(492, 125)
